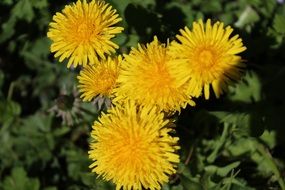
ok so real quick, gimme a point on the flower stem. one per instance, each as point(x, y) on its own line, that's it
point(267, 156)
point(219, 144)
point(10, 91)
point(87, 111)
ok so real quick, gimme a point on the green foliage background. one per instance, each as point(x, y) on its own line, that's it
point(233, 143)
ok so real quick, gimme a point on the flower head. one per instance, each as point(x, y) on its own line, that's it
point(151, 77)
point(67, 106)
point(82, 32)
point(132, 147)
point(210, 56)
point(99, 79)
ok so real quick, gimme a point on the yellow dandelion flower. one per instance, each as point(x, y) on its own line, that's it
point(99, 79)
point(82, 32)
point(132, 147)
point(151, 77)
point(210, 55)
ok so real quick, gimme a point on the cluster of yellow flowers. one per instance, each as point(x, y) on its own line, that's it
point(132, 145)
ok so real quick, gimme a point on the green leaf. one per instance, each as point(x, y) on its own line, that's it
point(61, 131)
point(6, 2)
point(241, 146)
point(39, 121)
point(270, 138)
point(190, 184)
point(50, 188)
point(279, 23)
point(269, 7)
point(177, 187)
point(1, 78)
point(262, 164)
point(9, 111)
point(88, 178)
point(120, 39)
point(212, 7)
point(39, 4)
point(248, 16)
point(19, 180)
point(254, 2)
point(23, 10)
point(247, 90)
point(36, 53)
point(222, 171)
point(132, 40)
point(77, 163)
point(8, 29)
point(235, 184)
point(248, 123)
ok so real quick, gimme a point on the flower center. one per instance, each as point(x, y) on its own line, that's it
point(132, 149)
point(162, 77)
point(135, 145)
point(157, 77)
point(105, 83)
point(84, 31)
point(206, 58)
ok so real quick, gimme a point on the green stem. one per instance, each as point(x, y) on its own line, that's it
point(10, 91)
point(219, 144)
point(189, 155)
point(87, 111)
point(272, 164)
